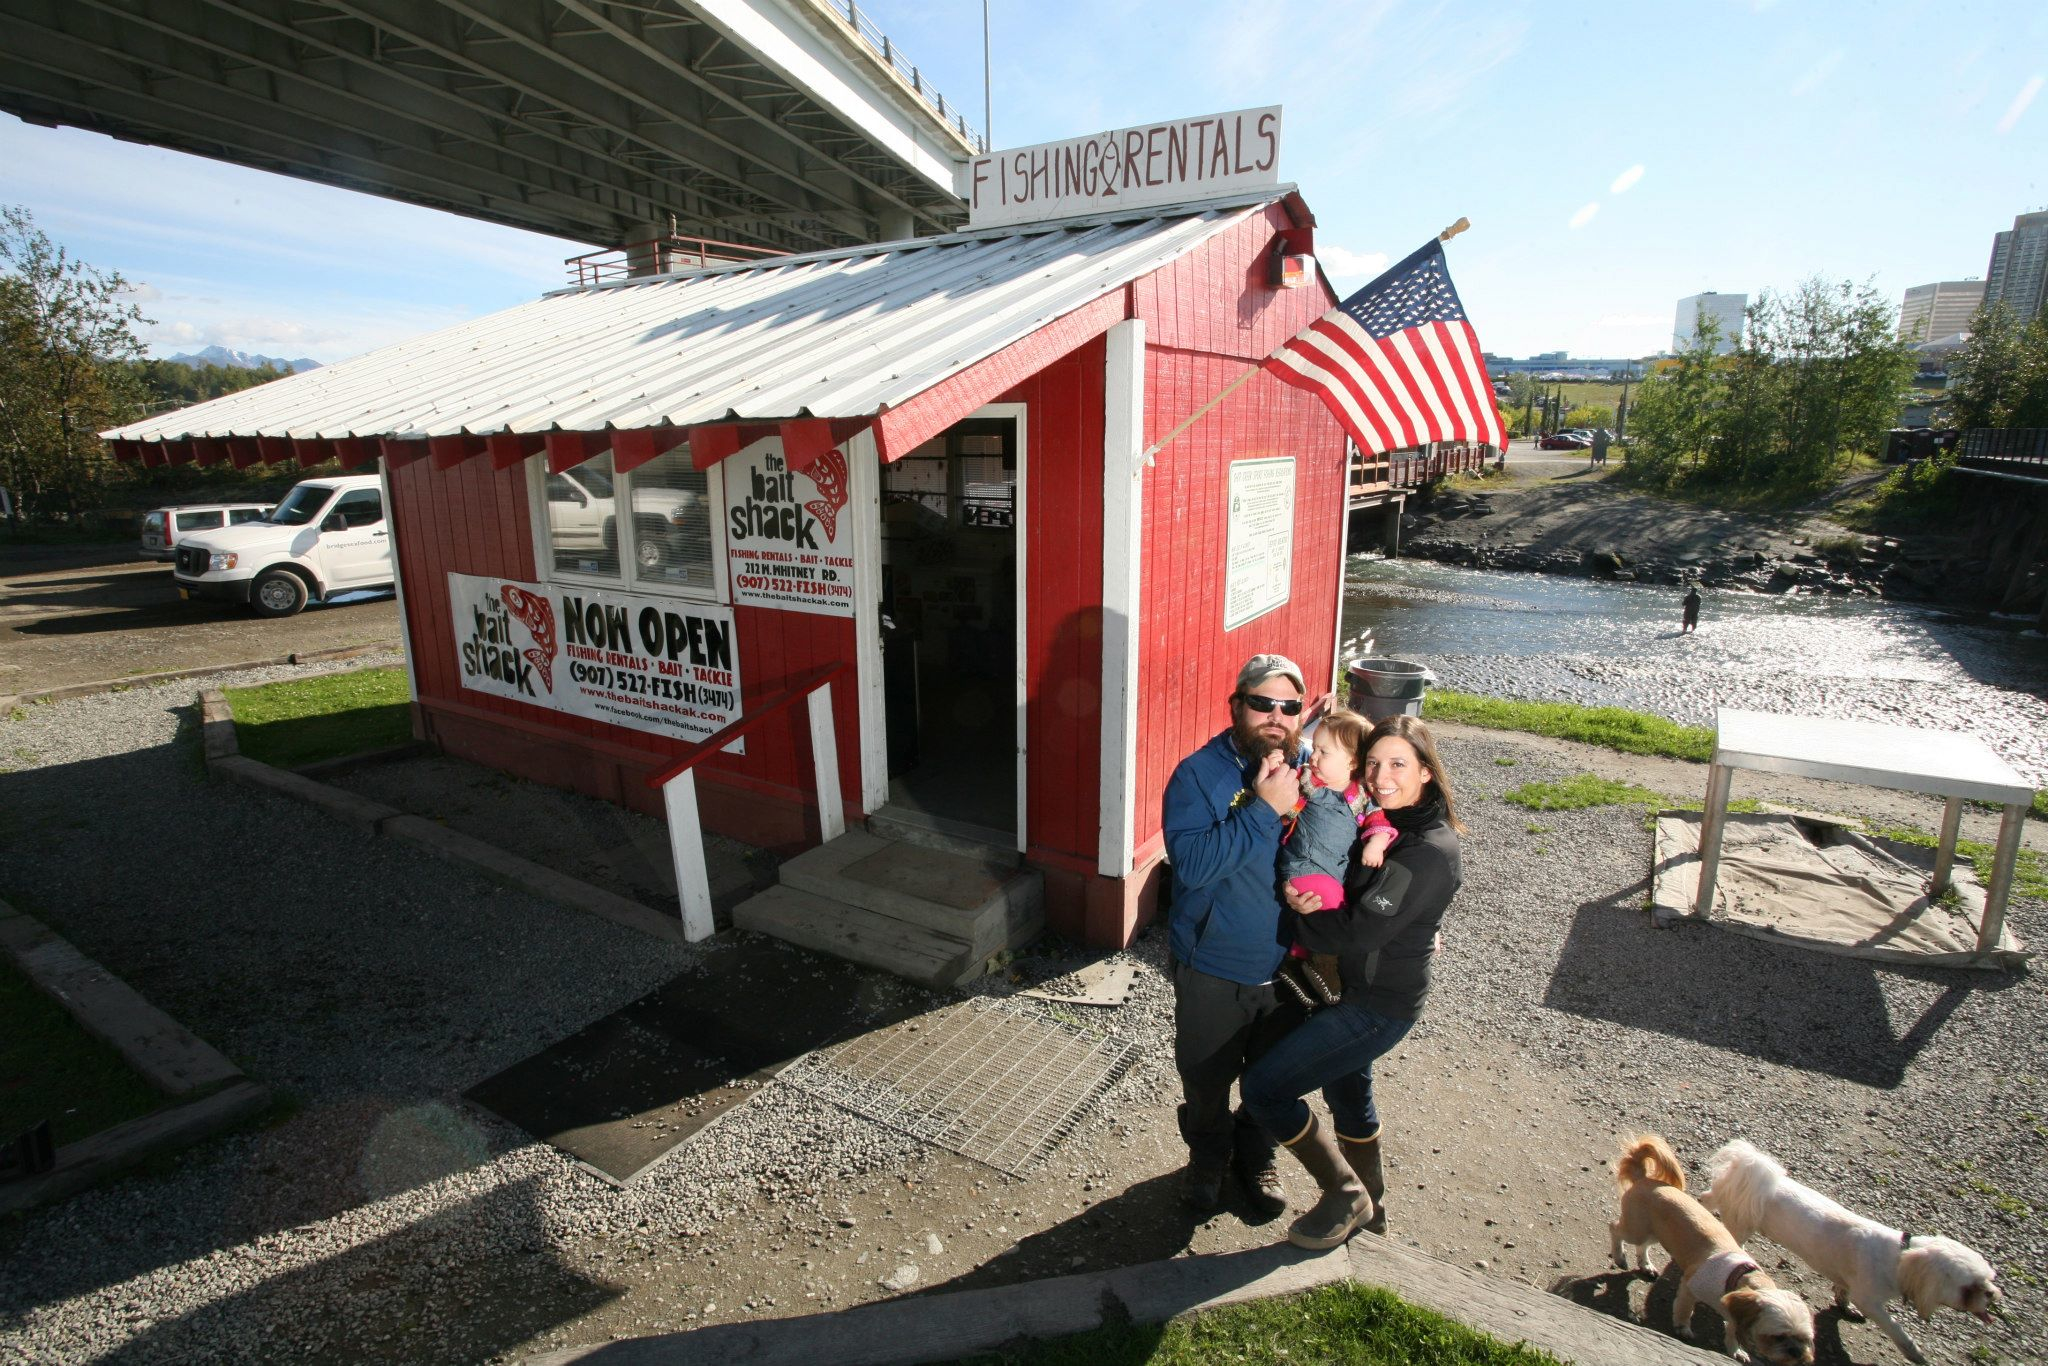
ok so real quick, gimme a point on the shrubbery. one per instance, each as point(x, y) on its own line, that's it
point(1814, 382)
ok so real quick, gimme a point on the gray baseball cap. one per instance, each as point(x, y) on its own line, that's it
point(1259, 668)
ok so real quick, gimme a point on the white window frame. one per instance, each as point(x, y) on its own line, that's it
point(627, 580)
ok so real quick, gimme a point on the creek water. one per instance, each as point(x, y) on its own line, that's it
point(1549, 638)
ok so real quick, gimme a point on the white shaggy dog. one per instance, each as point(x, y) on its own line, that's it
point(1869, 1264)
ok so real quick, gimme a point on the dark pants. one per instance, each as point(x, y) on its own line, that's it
point(1334, 1049)
point(1220, 1028)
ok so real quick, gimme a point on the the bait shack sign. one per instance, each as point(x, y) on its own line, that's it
point(789, 540)
point(646, 663)
point(1176, 162)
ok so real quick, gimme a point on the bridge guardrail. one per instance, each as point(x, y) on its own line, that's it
point(893, 58)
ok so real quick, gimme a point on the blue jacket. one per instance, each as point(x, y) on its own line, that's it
point(1225, 845)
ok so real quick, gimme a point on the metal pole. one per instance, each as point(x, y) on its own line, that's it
point(988, 99)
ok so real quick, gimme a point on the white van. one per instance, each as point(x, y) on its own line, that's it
point(163, 528)
point(327, 536)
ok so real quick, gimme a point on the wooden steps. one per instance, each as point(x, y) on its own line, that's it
point(934, 916)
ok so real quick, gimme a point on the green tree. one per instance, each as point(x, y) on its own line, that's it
point(65, 333)
point(1815, 379)
point(1671, 423)
point(2000, 377)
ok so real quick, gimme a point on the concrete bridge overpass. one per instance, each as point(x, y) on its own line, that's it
point(789, 125)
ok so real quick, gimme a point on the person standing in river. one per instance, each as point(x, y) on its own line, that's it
point(1692, 610)
point(1224, 808)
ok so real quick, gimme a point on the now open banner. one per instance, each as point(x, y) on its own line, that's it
point(647, 663)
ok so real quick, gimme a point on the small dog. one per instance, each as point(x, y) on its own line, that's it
point(1766, 1321)
point(1869, 1264)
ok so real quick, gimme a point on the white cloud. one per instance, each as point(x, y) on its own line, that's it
point(141, 292)
point(1626, 181)
point(1351, 265)
point(1585, 215)
point(1817, 74)
point(2019, 105)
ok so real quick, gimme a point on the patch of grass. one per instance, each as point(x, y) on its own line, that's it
point(302, 721)
point(1503, 761)
point(1631, 732)
point(2004, 1201)
point(2028, 877)
point(50, 1068)
point(1838, 547)
point(1578, 792)
point(1345, 1325)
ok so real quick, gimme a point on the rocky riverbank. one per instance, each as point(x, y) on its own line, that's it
point(1580, 524)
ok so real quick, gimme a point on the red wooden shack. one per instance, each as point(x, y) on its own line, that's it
point(636, 516)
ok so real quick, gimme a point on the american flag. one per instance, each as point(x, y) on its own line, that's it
point(1397, 363)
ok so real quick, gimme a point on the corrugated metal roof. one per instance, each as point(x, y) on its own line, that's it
point(829, 334)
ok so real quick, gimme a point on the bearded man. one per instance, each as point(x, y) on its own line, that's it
point(1224, 807)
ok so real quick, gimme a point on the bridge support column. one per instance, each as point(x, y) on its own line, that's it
point(896, 225)
point(1391, 523)
point(646, 252)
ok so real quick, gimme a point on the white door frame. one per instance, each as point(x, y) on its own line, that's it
point(1123, 488)
point(864, 495)
point(1020, 519)
point(865, 478)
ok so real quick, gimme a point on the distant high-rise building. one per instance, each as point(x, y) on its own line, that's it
point(2018, 274)
point(1931, 312)
point(1724, 309)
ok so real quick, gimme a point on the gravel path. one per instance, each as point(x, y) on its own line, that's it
point(378, 1218)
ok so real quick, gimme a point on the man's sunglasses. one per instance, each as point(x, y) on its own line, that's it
point(1288, 706)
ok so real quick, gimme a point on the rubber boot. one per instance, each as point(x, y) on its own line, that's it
point(1344, 1205)
point(1364, 1156)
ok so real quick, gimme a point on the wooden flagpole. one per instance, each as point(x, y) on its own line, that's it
point(1153, 450)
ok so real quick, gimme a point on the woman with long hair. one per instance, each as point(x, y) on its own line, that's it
point(1383, 936)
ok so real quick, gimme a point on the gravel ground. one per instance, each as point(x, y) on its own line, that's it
point(378, 1218)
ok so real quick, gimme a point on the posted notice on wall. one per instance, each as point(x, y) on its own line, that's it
point(646, 663)
point(789, 540)
point(1259, 563)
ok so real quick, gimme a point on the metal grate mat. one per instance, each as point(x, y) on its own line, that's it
point(986, 1080)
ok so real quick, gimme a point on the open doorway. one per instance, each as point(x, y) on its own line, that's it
point(950, 510)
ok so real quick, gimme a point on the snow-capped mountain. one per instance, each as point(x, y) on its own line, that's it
point(242, 360)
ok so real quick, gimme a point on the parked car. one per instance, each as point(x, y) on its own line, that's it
point(327, 536)
point(583, 517)
point(163, 528)
point(1564, 441)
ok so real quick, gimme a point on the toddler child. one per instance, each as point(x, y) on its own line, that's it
point(1332, 814)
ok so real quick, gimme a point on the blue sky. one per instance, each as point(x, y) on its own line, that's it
point(1611, 158)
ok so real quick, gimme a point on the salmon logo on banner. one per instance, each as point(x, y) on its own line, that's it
point(660, 665)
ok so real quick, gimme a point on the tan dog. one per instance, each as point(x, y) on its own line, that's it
point(1764, 1320)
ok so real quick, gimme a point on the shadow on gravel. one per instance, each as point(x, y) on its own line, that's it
point(1608, 1292)
point(1780, 1005)
point(1145, 1223)
point(421, 1295)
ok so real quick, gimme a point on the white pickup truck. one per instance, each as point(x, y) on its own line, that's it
point(327, 536)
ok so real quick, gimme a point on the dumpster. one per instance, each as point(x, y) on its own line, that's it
point(1388, 687)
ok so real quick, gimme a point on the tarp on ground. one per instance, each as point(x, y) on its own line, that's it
point(1822, 885)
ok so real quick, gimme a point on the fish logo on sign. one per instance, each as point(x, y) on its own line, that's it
point(828, 472)
point(537, 614)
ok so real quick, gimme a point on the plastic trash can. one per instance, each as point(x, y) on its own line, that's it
point(1388, 687)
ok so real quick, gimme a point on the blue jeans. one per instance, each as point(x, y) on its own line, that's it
point(1333, 1049)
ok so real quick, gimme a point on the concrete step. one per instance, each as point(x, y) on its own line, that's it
point(907, 825)
point(967, 897)
point(861, 936)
